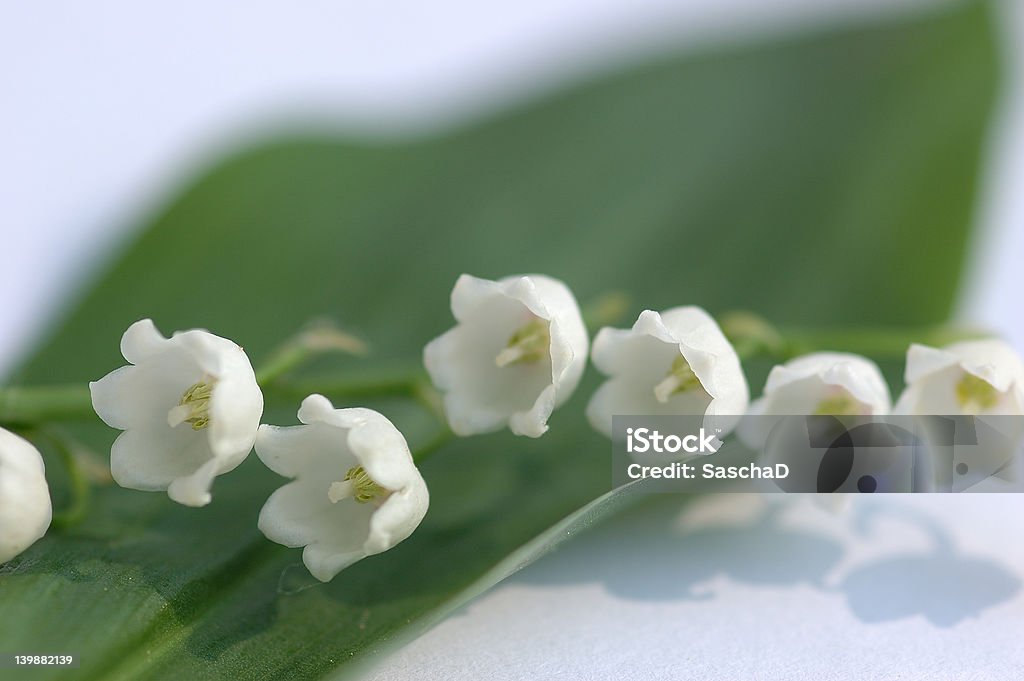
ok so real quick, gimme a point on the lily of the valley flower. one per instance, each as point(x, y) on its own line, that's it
point(356, 491)
point(983, 377)
point(821, 383)
point(677, 362)
point(25, 510)
point(517, 353)
point(189, 407)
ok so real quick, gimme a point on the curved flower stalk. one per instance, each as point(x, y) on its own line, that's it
point(983, 377)
point(189, 407)
point(355, 490)
point(25, 510)
point(517, 353)
point(821, 383)
point(677, 362)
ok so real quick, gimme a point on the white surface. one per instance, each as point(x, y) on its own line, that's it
point(106, 104)
point(746, 587)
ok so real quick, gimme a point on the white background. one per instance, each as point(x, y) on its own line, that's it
point(107, 104)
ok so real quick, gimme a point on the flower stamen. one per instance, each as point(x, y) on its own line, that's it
point(975, 394)
point(680, 379)
point(358, 485)
point(530, 343)
point(839, 404)
point(194, 407)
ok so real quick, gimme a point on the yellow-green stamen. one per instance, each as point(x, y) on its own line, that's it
point(530, 343)
point(194, 406)
point(839, 404)
point(975, 394)
point(680, 379)
point(357, 484)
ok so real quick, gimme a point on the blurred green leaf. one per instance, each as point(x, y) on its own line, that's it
point(822, 179)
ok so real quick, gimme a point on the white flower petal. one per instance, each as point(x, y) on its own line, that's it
point(638, 360)
point(336, 528)
point(709, 353)
point(25, 510)
point(907, 401)
point(140, 396)
point(934, 375)
point(806, 384)
point(141, 341)
point(534, 421)
point(642, 353)
point(325, 562)
point(470, 293)
point(857, 375)
point(150, 460)
point(397, 517)
point(381, 450)
point(276, 447)
point(194, 489)
point(300, 512)
point(467, 416)
point(235, 409)
point(753, 430)
point(923, 360)
point(116, 412)
point(481, 396)
point(623, 397)
point(199, 383)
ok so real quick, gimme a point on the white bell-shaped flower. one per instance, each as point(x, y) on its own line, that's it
point(355, 490)
point(821, 383)
point(189, 407)
point(517, 352)
point(674, 363)
point(983, 377)
point(25, 510)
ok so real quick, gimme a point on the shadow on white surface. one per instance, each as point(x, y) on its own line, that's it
point(754, 587)
point(760, 553)
point(942, 584)
point(666, 562)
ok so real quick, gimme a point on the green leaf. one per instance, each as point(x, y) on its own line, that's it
point(824, 179)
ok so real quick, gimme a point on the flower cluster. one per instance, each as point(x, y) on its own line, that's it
point(519, 346)
point(975, 378)
point(190, 408)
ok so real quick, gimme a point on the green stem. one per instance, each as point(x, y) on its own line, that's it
point(752, 336)
point(428, 448)
point(80, 489)
point(878, 343)
point(37, 404)
point(384, 384)
point(755, 337)
point(34, 405)
point(289, 357)
point(319, 338)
